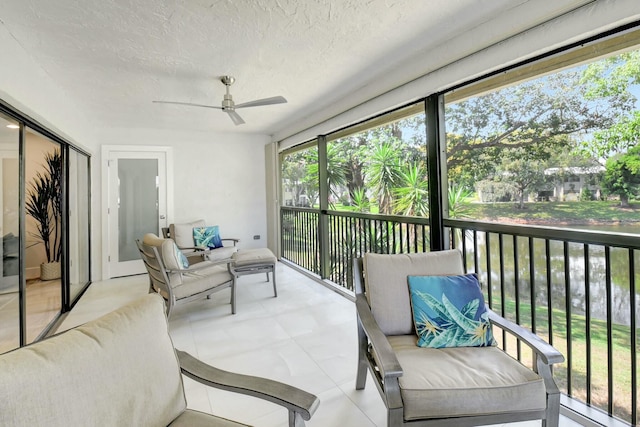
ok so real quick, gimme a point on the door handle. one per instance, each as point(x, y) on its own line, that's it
point(162, 217)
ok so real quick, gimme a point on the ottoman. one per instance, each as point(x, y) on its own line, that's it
point(252, 261)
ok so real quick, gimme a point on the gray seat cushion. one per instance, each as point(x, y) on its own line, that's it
point(463, 381)
point(201, 280)
point(221, 253)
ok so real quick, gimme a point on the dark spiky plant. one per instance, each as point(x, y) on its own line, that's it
point(44, 205)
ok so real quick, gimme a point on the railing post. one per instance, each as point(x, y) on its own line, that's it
point(323, 218)
point(436, 170)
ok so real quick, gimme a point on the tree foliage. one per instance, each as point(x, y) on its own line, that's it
point(622, 175)
point(502, 141)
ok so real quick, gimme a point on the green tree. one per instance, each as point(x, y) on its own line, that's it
point(622, 175)
point(360, 200)
point(384, 173)
point(459, 199)
point(296, 178)
point(537, 116)
point(412, 194)
point(336, 169)
point(522, 170)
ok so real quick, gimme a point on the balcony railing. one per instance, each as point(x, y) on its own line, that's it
point(576, 289)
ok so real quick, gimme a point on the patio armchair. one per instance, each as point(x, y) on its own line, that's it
point(122, 370)
point(182, 234)
point(178, 282)
point(456, 386)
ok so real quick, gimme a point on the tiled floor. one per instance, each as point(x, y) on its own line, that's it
point(305, 337)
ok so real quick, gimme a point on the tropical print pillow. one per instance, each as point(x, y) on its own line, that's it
point(207, 237)
point(449, 311)
point(184, 262)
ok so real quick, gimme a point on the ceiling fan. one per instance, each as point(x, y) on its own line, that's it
point(228, 106)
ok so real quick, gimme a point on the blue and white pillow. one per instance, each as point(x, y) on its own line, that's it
point(207, 237)
point(449, 311)
point(182, 260)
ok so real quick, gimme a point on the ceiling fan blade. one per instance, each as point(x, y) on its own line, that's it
point(187, 103)
point(263, 101)
point(235, 117)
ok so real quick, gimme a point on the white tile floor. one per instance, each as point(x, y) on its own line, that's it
point(305, 337)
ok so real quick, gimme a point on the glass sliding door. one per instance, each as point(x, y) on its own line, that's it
point(78, 223)
point(10, 232)
point(44, 233)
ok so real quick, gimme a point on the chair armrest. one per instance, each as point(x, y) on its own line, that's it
point(231, 239)
point(386, 357)
point(294, 399)
point(545, 351)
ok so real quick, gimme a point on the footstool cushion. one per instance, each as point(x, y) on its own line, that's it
point(254, 261)
point(247, 258)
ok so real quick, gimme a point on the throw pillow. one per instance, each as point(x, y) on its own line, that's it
point(207, 237)
point(183, 261)
point(449, 311)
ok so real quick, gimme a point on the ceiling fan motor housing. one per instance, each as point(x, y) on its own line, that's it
point(227, 102)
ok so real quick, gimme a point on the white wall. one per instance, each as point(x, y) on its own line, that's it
point(217, 177)
point(26, 87)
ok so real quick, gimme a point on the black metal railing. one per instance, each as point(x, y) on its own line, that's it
point(350, 235)
point(300, 237)
point(575, 288)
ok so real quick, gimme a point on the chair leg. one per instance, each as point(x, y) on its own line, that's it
point(363, 363)
point(273, 273)
point(553, 411)
point(295, 419)
point(233, 296)
point(395, 417)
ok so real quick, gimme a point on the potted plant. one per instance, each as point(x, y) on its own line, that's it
point(44, 204)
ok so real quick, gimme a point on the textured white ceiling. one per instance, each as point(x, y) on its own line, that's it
point(113, 57)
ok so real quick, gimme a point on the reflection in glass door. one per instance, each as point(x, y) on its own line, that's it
point(78, 223)
point(43, 249)
point(137, 205)
point(9, 231)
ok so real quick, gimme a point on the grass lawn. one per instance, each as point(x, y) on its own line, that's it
point(621, 342)
point(547, 213)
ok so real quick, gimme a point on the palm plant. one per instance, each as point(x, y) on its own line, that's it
point(384, 173)
point(360, 200)
point(44, 205)
point(459, 202)
point(413, 194)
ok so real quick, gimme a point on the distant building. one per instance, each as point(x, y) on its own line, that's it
point(569, 182)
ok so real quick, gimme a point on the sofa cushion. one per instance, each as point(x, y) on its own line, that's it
point(182, 234)
point(449, 311)
point(494, 382)
point(387, 289)
point(120, 369)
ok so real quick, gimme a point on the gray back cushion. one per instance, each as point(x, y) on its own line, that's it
point(119, 370)
point(387, 289)
point(182, 234)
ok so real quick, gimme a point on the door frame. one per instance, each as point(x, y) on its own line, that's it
point(106, 152)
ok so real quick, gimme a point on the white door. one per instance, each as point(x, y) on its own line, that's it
point(137, 204)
